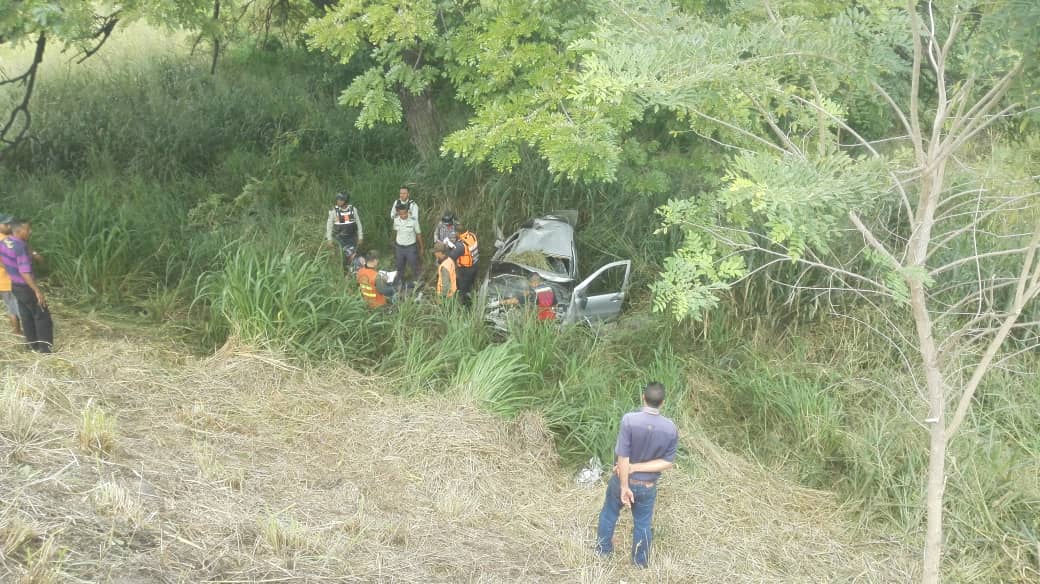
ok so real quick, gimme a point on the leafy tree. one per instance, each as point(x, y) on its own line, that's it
point(84, 27)
point(407, 41)
point(75, 24)
point(921, 210)
point(503, 59)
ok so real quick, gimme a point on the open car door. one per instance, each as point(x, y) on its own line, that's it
point(600, 296)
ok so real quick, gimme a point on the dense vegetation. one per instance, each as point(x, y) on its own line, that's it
point(194, 203)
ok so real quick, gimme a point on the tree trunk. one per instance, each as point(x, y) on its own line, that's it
point(931, 187)
point(421, 119)
point(936, 481)
point(216, 37)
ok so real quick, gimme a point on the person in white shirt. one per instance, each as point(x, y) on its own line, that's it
point(404, 198)
point(408, 244)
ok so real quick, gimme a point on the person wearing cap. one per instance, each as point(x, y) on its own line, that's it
point(445, 228)
point(10, 302)
point(447, 284)
point(408, 244)
point(373, 285)
point(404, 197)
point(453, 247)
point(344, 228)
point(17, 258)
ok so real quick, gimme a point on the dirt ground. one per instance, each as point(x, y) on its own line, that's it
point(125, 461)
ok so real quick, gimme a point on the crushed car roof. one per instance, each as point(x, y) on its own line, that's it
point(548, 235)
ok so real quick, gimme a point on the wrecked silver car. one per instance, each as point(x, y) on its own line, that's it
point(545, 246)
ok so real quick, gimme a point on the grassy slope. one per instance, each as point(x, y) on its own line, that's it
point(239, 467)
point(246, 161)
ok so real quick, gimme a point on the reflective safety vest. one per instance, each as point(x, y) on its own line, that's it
point(344, 222)
point(451, 286)
point(545, 298)
point(470, 253)
point(366, 278)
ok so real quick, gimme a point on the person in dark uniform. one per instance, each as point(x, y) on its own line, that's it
point(442, 233)
point(343, 228)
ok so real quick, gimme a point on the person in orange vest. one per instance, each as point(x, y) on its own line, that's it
point(466, 260)
point(375, 290)
point(447, 284)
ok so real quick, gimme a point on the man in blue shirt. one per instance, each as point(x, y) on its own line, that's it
point(646, 445)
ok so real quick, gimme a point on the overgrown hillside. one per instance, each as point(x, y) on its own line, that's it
point(123, 460)
point(190, 207)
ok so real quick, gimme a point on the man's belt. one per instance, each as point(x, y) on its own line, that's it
point(403, 245)
point(641, 483)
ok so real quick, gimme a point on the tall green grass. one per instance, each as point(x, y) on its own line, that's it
point(287, 300)
point(836, 415)
point(496, 378)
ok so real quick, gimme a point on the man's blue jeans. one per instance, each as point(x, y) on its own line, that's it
point(642, 514)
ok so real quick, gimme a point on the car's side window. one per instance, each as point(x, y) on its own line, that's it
point(611, 281)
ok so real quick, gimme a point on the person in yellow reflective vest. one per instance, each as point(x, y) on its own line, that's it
point(375, 290)
point(446, 281)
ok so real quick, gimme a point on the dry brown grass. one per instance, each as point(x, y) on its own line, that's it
point(241, 467)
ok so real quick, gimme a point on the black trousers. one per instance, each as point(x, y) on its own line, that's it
point(406, 255)
point(464, 280)
point(37, 325)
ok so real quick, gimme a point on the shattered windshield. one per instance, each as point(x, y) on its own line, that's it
point(507, 286)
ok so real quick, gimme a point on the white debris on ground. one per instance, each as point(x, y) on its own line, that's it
point(590, 474)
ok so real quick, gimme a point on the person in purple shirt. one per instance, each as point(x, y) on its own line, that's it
point(646, 445)
point(32, 306)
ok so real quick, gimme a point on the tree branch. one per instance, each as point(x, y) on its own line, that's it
point(895, 107)
point(907, 207)
point(1029, 276)
point(879, 288)
point(873, 241)
point(216, 37)
point(977, 114)
point(916, 136)
point(739, 130)
point(972, 258)
point(103, 33)
point(792, 148)
point(28, 79)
